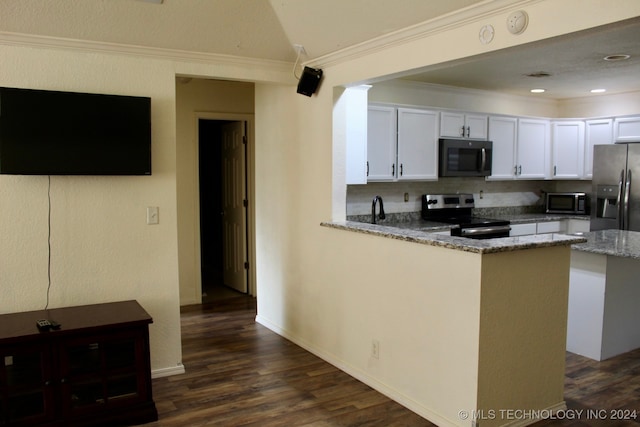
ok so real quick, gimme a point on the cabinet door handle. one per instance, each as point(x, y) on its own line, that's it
point(401, 169)
point(468, 131)
point(463, 131)
point(515, 170)
point(393, 169)
point(367, 168)
point(520, 170)
point(555, 170)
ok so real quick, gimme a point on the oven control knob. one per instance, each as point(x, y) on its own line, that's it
point(469, 200)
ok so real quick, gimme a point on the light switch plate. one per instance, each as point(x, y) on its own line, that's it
point(152, 215)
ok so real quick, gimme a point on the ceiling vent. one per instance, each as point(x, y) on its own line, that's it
point(539, 74)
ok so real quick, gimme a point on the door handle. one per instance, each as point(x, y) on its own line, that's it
point(619, 201)
point(627, 196)
point(483, 165)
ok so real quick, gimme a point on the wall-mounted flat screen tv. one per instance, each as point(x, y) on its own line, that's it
point(68, 133)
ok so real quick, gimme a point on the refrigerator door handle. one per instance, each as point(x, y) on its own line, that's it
point(627, 196)
point(620, 201)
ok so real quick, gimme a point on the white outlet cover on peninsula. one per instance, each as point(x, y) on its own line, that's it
point(517, 22)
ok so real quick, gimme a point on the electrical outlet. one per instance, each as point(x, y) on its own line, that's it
point(406, 197)
point(375, 349)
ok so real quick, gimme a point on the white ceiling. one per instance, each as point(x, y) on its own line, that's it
point(575, 64)
point(267, 29)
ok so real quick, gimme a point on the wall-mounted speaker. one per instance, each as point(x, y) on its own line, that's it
point(309, 81)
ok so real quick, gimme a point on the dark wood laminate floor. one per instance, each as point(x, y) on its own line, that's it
point(239, 373)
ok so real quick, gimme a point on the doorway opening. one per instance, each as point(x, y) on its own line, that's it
point(223, 196)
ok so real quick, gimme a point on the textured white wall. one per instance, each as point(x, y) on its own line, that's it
point(101, 248)
point(333, 291)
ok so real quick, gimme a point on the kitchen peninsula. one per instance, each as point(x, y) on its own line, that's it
point(603, 301)
point(491, 331)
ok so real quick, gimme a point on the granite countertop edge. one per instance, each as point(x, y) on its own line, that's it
point(618, 243)
point(427, 237)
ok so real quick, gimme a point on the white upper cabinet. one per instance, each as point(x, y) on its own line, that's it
point(567, 139)
point(533, 157)
point(381, 143)
point(460, 125)
point(417, 144)
point(597, 132)
point(503, 131)
point(627, 129)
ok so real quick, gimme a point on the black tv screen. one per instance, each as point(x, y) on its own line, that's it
point(68, 133)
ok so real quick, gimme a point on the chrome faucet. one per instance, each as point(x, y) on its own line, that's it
point(373, 209)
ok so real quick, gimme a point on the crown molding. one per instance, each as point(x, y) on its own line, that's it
point(48, 42)
point(419, 31)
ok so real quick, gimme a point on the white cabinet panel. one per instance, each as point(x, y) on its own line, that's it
point(522, 229)
point(417, 144)
point(551, 227)
point(597, 132)
point(350, 128)
point(503, 133)
point(567, 138)
point(578, 226)
point(460, 125)
point(627, 129)
point(381, 143)
point(533, 157)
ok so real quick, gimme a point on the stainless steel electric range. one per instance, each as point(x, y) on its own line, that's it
point(457, 209)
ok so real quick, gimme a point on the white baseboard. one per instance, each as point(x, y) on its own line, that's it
point(167, 372)
point(363, 377)
point(554, 409)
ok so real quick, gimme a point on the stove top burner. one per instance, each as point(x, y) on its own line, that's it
point(472, 221)
point(457, 209)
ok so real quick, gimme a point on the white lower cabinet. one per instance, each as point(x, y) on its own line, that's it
point(522, 229)
point(578, 226)
point(551, 227)
point(569, 226)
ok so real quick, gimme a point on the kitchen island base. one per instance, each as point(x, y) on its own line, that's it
point(603, 305)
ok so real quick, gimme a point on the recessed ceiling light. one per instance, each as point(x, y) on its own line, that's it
point(598, 90)
point(537, 90)
point(617, 57)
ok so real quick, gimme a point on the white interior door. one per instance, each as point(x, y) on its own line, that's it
point(233, 203)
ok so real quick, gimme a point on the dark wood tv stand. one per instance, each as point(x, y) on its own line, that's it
point(94, 370)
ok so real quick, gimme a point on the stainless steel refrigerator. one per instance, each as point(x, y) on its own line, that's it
point(615, 201)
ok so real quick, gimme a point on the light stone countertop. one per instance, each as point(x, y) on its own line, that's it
point(618, 243)
point(425, 236)
point(539, 217)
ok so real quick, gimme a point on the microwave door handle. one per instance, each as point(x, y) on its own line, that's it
point(483, 165)
point(619, 201)
point(627, 194)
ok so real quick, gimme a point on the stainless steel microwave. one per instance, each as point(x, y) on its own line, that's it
point(463, 157)
point(567, 203)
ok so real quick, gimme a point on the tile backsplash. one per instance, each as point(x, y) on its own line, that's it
point(487, 194)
